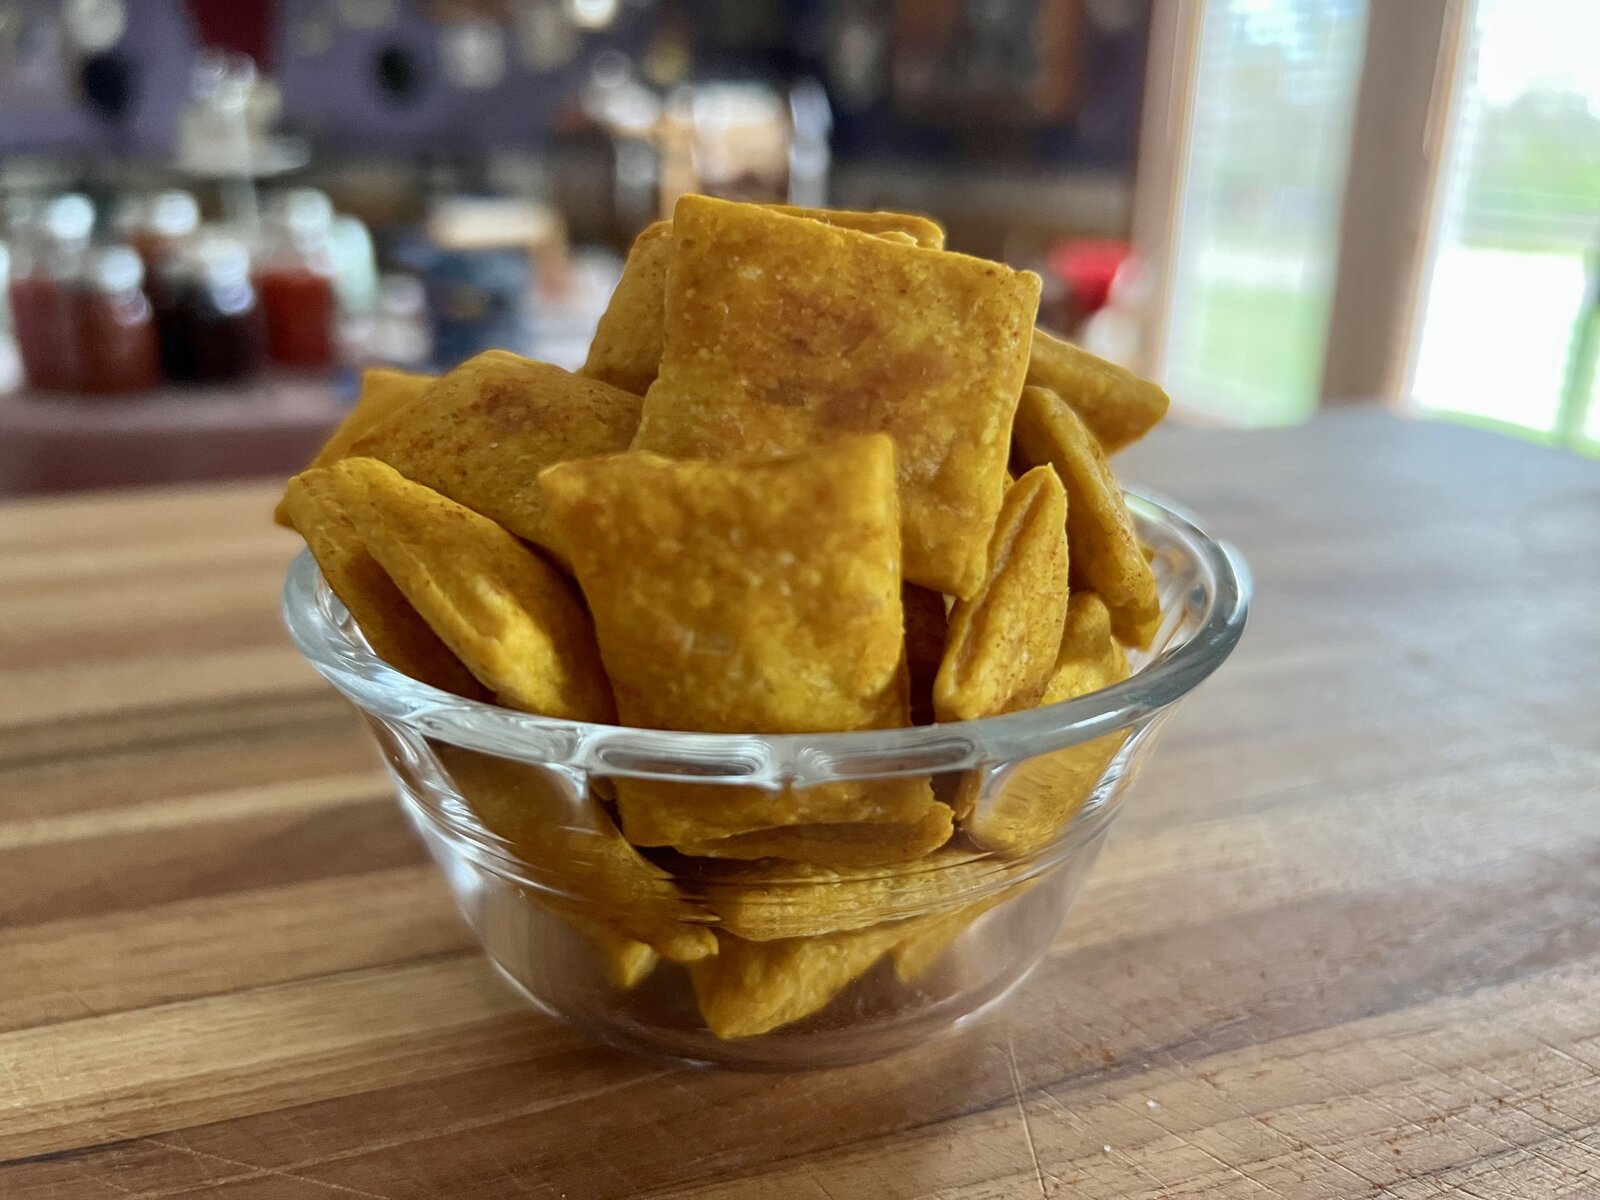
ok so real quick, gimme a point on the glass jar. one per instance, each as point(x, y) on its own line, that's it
point(295, 276)
point(48, 251)
point(209, 317)
point(113, 323)
point(158, 226)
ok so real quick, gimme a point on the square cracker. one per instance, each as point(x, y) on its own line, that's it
point(1106, 555)
point(744, 598)
point(590, 875)
point(626, 351)
point(1030, 805)
point(395, 631)
point(384, 392)
point(509, 615)
point(1002, 643)
point(484, 431)
point(783, 332)
point(1118, 406)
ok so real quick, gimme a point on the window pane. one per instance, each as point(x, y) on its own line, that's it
point(1257, 244)
point(1520, 215)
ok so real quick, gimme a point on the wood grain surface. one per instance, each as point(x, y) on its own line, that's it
point(1345, 941)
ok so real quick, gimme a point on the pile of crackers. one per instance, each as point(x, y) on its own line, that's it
point(817, 474)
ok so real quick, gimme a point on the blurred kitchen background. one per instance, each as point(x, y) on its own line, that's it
point(216, 211)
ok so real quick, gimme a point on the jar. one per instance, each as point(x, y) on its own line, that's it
point(113, 323)
point(48, 248)
point(294, 275)
point(158, 226)
point(209, 318)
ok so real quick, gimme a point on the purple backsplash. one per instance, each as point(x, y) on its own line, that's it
point(334, 96)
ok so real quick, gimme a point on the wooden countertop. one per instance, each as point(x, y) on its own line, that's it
point(1345, 941)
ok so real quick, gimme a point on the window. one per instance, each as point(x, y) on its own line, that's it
point(1507, 330)
point(1274, 90)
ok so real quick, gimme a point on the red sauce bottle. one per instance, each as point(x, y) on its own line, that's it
point(48, 249)
point(113, 323)
point(294, 274)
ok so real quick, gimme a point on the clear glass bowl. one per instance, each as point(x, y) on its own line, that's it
point(809, 969)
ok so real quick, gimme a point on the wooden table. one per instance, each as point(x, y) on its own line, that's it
point(1345, 941)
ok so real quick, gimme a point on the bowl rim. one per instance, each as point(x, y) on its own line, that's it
point(312, 615)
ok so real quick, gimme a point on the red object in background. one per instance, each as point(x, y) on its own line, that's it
point(114, 325)
point(1087, 267)
point(41, 316)
point(236, 26)
point(301, 310)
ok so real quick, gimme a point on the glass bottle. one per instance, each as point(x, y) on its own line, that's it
point(210, 319)
point(295, 277)
point(113, 323)
point(48, 248)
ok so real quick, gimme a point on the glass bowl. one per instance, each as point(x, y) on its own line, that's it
point(772, 963)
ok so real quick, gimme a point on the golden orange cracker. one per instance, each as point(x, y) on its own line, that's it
point(394, 630)
point(1002, 644)
point(1106, 556)
point(505, 612)
point(743, 598)
point(739, 598)
point(626, 351)
point(925, 638)
point(751, 988)
point(1089, 658)
point(590, 876)
point(661, 813)
point(782, 333)
point(914, 956)
point(383, 392)
point(1118, 406)
point(627, 963)
point(919, 230)
point(1031, 804)
point(483, 432)
point(858, 844)
point(771, 900)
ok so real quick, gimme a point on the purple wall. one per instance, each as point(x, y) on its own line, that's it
point(333, 96)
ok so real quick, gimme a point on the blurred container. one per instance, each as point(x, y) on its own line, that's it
point(725, 139)
point(294, 274)
point(478, 273)
point(478, 300)
point(400, 335)
point(114, 324)
point(158, 226)
point(48, 251)
point(210, 321)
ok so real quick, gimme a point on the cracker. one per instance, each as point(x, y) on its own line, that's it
point(383, 393)
point(591, 876)
point(751, 988)
point(771, 900)
point(1106, 555)
point(509, 615)
point(626, 351)
point(484, 431)
point(849, 845)
point(1031, 804)
point(783, 332)
point(1118, 406)
point(394, 630)
point(1002, 643)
